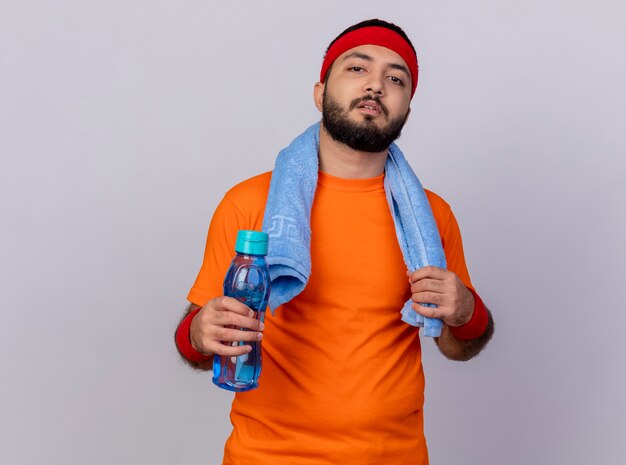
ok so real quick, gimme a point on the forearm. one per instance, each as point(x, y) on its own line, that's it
point(462, 350)
point(181, 339)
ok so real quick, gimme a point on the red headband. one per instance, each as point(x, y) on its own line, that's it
point(372, 35)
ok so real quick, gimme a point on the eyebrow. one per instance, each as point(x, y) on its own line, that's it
point(366, 57)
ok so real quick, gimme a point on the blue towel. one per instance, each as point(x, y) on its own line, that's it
point(287, 221)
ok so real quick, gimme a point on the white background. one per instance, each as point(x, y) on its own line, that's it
point(122, 124)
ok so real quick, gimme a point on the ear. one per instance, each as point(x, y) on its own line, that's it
point(318, 95)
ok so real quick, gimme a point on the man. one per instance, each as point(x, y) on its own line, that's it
point(342, 379)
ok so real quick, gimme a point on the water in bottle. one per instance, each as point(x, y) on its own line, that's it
point(248, 281)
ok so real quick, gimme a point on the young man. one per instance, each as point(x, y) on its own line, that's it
point(342, 378)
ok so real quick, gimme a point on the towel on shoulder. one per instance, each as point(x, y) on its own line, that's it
point(287, 221)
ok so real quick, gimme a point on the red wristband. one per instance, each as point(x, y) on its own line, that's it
point(477, 325)
point(184, 343)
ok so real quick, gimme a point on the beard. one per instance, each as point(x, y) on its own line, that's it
point(364, 136)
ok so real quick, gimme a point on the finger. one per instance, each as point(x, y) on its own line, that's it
point(209, 344)
point(230, 351)
point(428, 272)
point(236, 335)
point(428, 312)
point(428, 298)
point(428, 284)
point(228, 318)
point(230, 304)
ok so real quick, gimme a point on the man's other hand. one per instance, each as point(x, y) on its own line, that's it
point(222, 322)
point(433, 285)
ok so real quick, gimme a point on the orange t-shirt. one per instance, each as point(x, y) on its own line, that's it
point(342, 378)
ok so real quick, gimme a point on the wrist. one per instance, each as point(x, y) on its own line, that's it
point(477, 324)
point(183, 341)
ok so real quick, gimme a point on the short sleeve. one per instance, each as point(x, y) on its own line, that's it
point(218, 253)
point(242, 207)
point(453, 248)
point(450, 237)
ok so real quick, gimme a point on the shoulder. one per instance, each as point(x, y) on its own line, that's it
point(247, 199)
point(252, 186)
point(444, 217)
point(253, 190)
point(441, 209)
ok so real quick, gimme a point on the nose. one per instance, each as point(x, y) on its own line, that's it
point(374, 84)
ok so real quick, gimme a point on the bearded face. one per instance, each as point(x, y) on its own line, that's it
point(365, 135)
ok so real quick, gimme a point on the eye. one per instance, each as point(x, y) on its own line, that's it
point(356, 69)
point(396, 80)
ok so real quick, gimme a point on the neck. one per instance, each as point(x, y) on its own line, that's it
point(339, 160)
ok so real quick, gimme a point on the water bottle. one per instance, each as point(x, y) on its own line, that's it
point(248, 281)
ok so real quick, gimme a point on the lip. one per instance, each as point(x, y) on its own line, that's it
point(369, 107)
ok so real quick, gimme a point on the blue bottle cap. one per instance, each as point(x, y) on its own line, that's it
point(251, 242)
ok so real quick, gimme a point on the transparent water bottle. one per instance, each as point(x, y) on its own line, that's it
point(248, 281)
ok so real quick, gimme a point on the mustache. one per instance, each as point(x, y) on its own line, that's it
point(372, 98)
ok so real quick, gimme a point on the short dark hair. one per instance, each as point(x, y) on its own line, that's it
point(369, 23)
